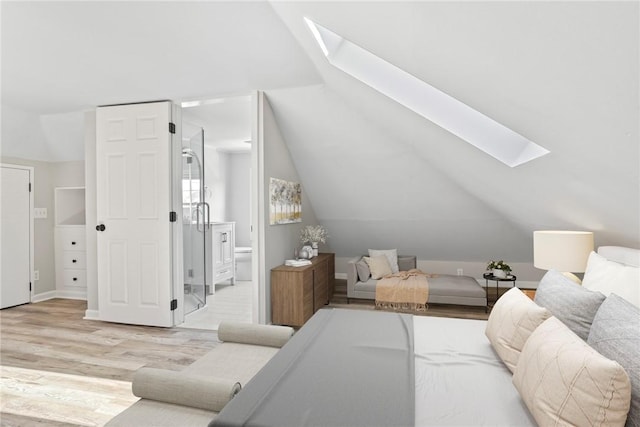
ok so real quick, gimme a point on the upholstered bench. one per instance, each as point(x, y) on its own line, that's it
point(195, 395)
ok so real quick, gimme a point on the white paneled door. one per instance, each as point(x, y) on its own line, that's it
point(15, 234)
point(133, 150)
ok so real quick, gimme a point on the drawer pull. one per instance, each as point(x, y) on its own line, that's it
point(73, 243)
point(74, 261)
point(75, 279)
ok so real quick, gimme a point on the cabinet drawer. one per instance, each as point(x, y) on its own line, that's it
point(75, 278)
point(72, 239)
point(74, 260)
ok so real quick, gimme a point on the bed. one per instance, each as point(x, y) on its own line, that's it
point(443, 288)
point(369, 368)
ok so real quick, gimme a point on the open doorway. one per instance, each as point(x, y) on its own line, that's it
point(226, 191)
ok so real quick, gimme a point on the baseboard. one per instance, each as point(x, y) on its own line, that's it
point(82, 295)
point(524, 284)
point(44, 296)
point(91, 315)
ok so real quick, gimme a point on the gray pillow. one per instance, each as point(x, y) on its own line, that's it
point(574, 305)
point(363, 270)
point(615, 334)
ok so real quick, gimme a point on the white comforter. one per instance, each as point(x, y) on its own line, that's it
point(459, 379)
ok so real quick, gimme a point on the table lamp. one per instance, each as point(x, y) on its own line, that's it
point(565, 251)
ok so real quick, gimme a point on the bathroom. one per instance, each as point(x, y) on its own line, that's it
point(216, 136)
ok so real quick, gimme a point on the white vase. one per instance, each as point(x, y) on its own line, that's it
point(315, 248)
point(308, 250)
point(500, 274)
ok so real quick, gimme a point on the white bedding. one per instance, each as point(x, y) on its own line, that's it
point(469, 381)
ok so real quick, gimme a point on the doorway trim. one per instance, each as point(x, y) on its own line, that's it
point(30, 169)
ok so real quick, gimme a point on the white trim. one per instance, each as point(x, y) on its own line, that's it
point(64, 294)
point(44, 296)
point(522, 284)
point(68, 294)
point(91, 315)
point(258, 209)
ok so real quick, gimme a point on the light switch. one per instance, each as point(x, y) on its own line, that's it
point(40, 213)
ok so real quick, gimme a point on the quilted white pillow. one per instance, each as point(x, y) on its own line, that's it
point(563, 381)
point(379, 266)
point(611, 277)
point(514, 317)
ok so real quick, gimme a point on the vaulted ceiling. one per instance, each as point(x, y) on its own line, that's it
point(563, 74)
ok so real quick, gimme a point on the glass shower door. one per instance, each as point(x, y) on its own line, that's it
point(195, 227)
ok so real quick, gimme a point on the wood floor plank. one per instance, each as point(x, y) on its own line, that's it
point(57, 367)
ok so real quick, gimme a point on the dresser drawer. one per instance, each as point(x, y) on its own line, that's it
point(75, 278)
point(74, 260)
point(72, 239)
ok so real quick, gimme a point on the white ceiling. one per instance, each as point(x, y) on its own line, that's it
point(226, 122)
point(563, 74)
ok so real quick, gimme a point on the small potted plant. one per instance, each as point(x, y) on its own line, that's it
point(314, 234)
point(499, 269)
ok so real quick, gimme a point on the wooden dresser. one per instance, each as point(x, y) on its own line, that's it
point(298, 292)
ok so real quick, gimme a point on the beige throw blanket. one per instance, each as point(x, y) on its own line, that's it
point(403, 291)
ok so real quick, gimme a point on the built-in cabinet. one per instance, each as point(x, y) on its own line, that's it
point(298, 292)
point(70, 242)
point(223, 251)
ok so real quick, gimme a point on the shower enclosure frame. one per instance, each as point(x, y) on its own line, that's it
point(195, 222)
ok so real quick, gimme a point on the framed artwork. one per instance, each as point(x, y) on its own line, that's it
point(285, 201)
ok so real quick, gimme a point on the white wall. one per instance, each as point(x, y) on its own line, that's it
point(239, 195)
point(91, 213)
point(279, 240)
point(48, 176)
point(215, 166)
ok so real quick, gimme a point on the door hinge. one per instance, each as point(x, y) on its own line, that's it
point(29, 187)
point(172, 127)
point(29, 286)
point(173, 217)
point(174, 304)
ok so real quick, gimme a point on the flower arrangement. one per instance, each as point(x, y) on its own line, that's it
point(498, 265)
point(313, 234)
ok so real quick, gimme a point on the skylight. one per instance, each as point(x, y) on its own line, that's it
point(447, 112)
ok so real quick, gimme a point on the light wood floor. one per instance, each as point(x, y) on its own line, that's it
point(58, 369)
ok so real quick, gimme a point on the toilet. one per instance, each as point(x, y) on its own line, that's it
point(243, 262)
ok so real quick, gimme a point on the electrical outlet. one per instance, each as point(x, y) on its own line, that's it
point(39, 213)
point(36, 275)
point(460, 272)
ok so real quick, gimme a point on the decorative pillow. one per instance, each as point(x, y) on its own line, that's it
point(379, 266)
point(574, 305)
point(615, 334)
point(609, 276)
point(391, 254)
point(513, 318)
point(563, 381)
point(363, 270)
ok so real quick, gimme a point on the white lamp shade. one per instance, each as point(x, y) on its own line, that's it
point(565, 251)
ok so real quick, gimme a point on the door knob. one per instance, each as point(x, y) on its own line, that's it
point(100, 227)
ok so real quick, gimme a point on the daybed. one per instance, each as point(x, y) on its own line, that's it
point(192, 397)
point(572, 359)
point(443, 288)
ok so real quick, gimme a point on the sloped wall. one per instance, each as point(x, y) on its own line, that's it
point(279, 240)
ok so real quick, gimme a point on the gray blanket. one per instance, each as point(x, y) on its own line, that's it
point(343, 368)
